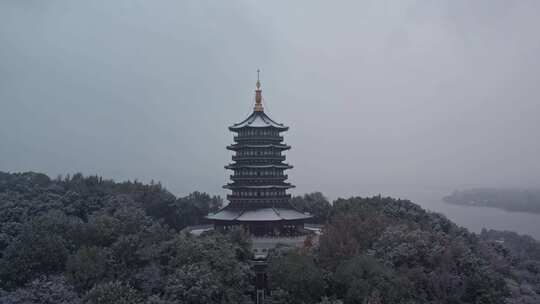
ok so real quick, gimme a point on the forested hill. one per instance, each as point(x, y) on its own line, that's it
point(89, 240)
point(522, 200)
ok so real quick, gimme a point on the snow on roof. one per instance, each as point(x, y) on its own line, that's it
point(255, 215)
point(282, 146)
point(225, 215)
point(266, 214)
point(284, 186)
point(237, 165)
point(258, 119)
point(290, 214)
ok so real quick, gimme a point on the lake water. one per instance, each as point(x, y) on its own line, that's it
point(475, 218)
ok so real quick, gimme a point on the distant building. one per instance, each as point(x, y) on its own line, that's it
point(259, 202)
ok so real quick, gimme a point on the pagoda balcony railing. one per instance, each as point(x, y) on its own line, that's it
point(258, 157)
point(258, 199)
point(258, 179)
point(258, 138)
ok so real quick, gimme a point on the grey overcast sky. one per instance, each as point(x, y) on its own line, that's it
point(380, 95)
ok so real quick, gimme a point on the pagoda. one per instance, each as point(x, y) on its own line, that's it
point(259, 201)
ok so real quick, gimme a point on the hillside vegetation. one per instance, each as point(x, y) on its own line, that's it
point(522, 200)
point(89, 240)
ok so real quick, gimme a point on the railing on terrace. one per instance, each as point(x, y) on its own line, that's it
point(261, 199)
point(258, 158)
point(258, 138)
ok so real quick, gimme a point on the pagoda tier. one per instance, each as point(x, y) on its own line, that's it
point(258, 184)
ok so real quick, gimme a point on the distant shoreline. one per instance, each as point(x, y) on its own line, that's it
point(511, 200)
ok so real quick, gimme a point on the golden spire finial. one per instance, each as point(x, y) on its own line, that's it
point(258, 95)
point(258, 85)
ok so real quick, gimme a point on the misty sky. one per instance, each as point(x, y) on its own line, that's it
point(379, 95)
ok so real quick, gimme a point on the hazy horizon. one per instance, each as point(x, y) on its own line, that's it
point(381, 97)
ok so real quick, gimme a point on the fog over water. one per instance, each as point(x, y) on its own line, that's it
point(405, 98)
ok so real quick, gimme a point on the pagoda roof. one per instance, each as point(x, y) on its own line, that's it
point(237, 165)
point(258, 119)
point(258, 215)
point(238, 146)
point(235, 186)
